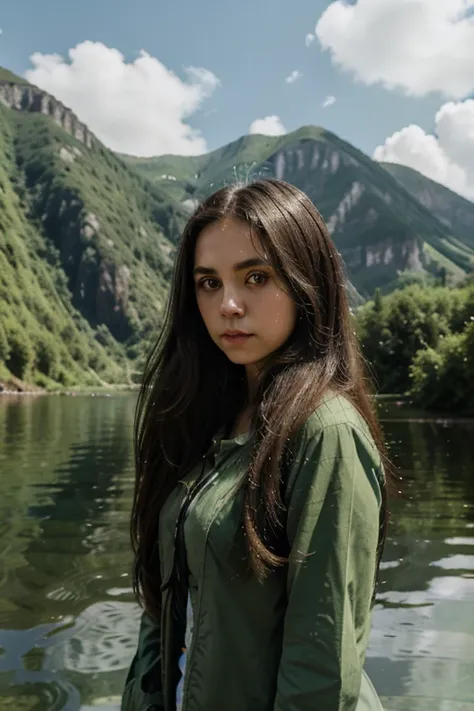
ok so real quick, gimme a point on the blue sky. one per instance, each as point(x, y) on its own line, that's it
point(249, 48)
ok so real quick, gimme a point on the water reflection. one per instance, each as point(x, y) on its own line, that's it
point(65, 601)
point(68, 623)
point(422, 645)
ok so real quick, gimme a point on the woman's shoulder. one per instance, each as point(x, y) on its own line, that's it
point(337, 418)
point(335, 409)
point(336, 432)
point(335, 440)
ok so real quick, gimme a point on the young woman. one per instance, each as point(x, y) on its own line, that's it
point(259, 509)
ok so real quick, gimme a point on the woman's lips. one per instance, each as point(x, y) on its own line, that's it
point(236, 338)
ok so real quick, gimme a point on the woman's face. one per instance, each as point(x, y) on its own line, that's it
point(245, 308)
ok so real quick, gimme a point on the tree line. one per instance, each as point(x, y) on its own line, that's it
point(419, 341)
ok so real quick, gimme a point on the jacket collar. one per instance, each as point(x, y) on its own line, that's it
point(221, 444)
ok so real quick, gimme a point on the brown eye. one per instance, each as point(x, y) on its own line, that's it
point(208, 284)
point(258, 278)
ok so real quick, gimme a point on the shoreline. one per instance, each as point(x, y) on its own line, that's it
point(15, 388)
point(22, 389)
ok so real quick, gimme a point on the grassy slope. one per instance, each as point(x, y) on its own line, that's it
point(93, 186)
point(42, 337)
point(6, 75)
point(53, 190)
point(238, 160)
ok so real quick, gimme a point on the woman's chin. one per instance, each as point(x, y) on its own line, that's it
point(239, 359)
point(242, 358)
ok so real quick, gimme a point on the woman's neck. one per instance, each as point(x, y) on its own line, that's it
point(243, 422)
point(252, 374)
point(244, 418)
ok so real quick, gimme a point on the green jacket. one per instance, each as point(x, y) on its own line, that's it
point(296, 642)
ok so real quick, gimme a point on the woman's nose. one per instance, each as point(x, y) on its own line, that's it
point(231, 305)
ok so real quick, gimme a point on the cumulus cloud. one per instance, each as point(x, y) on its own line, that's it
point(138, 107)
point(446, 156)
point(418, 46)
point(329, 101)
point(294, 76)
point(309, 39)
point(268, 126)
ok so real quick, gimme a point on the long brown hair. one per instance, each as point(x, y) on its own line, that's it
point(191, 390)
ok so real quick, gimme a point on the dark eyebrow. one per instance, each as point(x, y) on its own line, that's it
point(246, 264)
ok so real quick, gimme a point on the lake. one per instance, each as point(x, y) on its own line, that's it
point(68, 623)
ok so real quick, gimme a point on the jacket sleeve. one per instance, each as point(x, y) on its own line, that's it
point(143, 688)
point(333, 499)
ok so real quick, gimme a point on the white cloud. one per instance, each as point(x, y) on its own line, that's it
point(329, 101)
point(419, 46)
point(309, 39)
point(138, 107)
point(294, 76)
point(447, 156)
point(268, 126)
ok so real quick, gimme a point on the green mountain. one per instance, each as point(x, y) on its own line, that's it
point(452, 210)
point(85, 248)
point(87, 237)
point(7, 76)
point(380, 228)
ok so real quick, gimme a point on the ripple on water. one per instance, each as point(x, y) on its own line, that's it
point(84, 585)
point(39, 691)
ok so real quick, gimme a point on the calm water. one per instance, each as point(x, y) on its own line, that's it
point(68, 624)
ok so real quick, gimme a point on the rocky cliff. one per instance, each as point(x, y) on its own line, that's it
point(26, 97)
point(451, 209)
